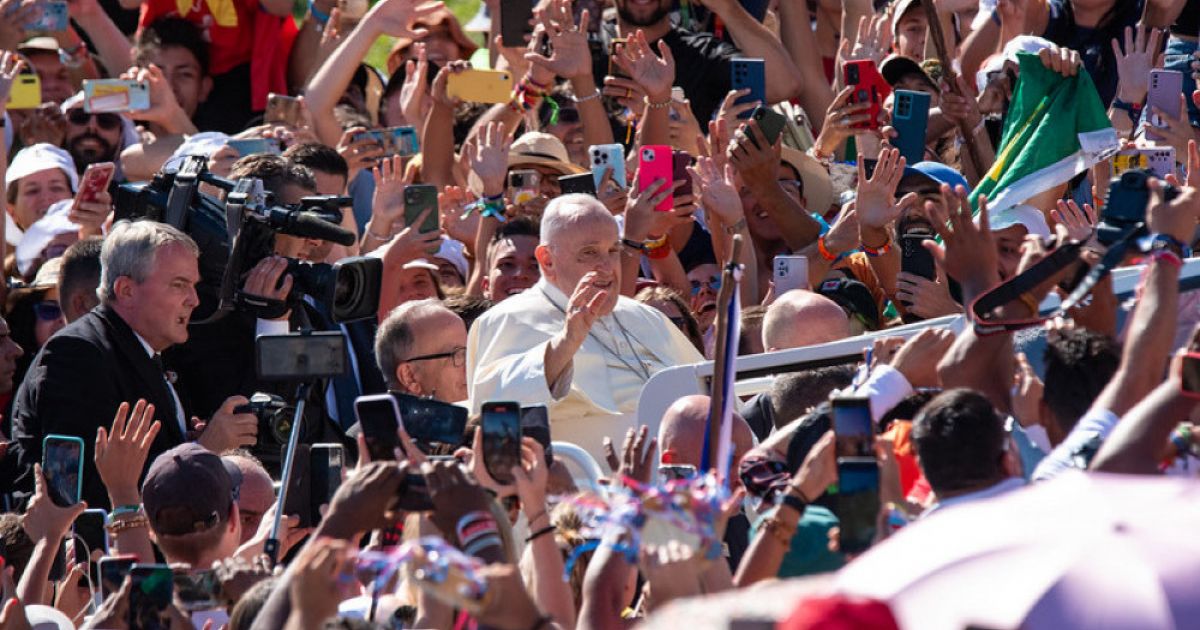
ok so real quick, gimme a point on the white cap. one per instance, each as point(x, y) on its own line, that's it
point(420, 263)
point(41, 617)
point(1021, 43)
point(205, 143)
point(452, 251)
point(42, 232)
point(41, 157)
point(1021, 214)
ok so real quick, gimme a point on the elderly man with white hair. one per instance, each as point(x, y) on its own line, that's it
point(572, 342)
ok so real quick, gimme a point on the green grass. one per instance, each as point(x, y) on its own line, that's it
point(464, 10)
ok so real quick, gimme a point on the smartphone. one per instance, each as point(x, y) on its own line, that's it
point(325, 465)
point(749, 74)
point(852, 428)
point(402, 141)
point(655, 163)
point(1160, 160)
point(791, 272)
point(673, 472)
point(516, 17)
point(869, 87)
point(282, 110)
point(253, 146)
point(910, 117)
point(1165, 88)
point(26, 92)
point(414, 494)
point(525, 184)
point(770, 122)
point(91, 539)
point(614, 48)
point(914, 258)
point(297, 497)
point(197, 590)
point(501, 426)
point(430, 422)
point(1128, 197)
point(52, 17)
point(62, 465)
point(112, 570)
point(605, 156)
point(417, 199)
point(583, 184)
point(481, 86)
point(856, 502)
point(95, 180)
point(535, 423)
point(680, 161)
point(379, 418)
point(153, 586)
point(301, 357)
point(1189, 372)
point(115, 95)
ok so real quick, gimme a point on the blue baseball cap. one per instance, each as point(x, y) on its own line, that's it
point(922, 175)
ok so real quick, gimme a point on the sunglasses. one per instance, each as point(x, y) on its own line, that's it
point(713, 283)
point(47, 311)
point(106, 121)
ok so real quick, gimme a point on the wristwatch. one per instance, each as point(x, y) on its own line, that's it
point(1160, 242)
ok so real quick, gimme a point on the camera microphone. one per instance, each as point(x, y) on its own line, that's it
point(311, 225)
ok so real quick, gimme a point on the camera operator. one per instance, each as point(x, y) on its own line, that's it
point(112, 354)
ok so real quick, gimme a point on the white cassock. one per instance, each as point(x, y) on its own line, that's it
point(598, 396)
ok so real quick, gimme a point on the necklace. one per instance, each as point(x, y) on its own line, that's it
point(641, 369)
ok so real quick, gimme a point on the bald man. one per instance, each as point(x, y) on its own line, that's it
point(801, 318)
point(571, 341)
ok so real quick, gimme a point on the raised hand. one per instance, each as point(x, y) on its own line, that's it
point(387, 205)
point(840, 118)
point(969, 251)
point(414, 94)
point(452, 205)
point(1140, 56)
point(43, 520)
point(655, 75)
point(718, 191)
point(121, 451)
point(359, 149)
point(874, 39)
point(489, 158)
point(638, 455)
point(10, 66)
point(642, 220)
point(1027, 393)
point(1073, 223)
point(876, 199)
point(755, 160)
point(364, 500)
point(731, 111)
point(1175, 218)
point(396, 17)
point(571, 57)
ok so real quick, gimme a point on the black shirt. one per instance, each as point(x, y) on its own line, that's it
point(702, 66)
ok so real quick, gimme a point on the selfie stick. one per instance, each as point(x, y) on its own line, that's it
point(271, 548)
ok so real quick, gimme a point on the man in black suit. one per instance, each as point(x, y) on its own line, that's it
point(111, 355)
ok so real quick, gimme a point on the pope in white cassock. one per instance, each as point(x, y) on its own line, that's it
point(572, 342)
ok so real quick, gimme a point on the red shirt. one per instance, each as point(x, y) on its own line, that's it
point(228, 25)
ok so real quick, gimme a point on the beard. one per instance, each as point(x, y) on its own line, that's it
point(628, 17)
point(85, 154)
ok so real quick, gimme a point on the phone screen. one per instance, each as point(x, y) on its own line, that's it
point(92, 543)
point(95, 179)
point(856, 503)
point(379, 418)
point(325, 469)
point(301, 357)
point(62, 465)
point(152, 589)
point(431, 421)
point(501, 428)
point(1191, 373)
point(112, 573)
point(852, 428)
point(535, 423)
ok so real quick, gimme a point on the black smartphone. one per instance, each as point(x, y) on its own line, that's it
point(325, 465)
point(680, 160)
point(62, 465)
point(584, 184)
point(91, 542)
point(770, 122)
point(112, 570)
point(856, 502)
point(914, 258)
point(197, 590)
point(501, 426)
point(535, 423)
point(515, 18)
point(852, 428)
point(297, 497)
point(417, 199)
point(301, 357)
point(153, 586)
point(414, 494)
point(378, 419)
point(430, 422)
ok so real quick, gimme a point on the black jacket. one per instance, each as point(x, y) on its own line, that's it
point(74, 386)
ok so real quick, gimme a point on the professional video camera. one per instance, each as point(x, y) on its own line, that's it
point(236, 233)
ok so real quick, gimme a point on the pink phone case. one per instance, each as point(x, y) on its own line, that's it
point(656, 162)
point(1165, 88)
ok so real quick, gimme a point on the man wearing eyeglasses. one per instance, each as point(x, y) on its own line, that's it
point(421, 348)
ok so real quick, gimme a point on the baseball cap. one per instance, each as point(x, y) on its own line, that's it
point(854, 297)
point(189, 489)
point(896, 67)
point(452, 251)
point(902, 7)
point(41, 157)
point(1020, 214)
point(43, 232)
point(924, 174)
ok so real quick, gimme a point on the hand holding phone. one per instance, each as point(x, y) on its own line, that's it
point(656, 162)
point(95, 180)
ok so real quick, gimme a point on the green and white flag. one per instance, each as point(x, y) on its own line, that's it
point(1056, 128)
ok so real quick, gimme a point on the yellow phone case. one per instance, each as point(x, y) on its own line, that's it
point(481, 86)
point(26, 92)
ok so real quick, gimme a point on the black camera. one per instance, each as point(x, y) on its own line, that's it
point(234, 234)
point(1125, 208)
point(274, 416)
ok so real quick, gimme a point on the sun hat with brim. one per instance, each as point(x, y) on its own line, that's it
point(542, 149)
point(41, 157)
point(896, 67)
point(437, 18)
point(1020, 214)
point(818, 187)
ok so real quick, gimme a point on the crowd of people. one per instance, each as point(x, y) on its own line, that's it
point(925, 182)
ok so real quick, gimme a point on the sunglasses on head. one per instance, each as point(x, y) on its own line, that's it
point(106, 120)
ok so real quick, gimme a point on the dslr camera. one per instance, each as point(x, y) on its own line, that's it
point(1124, 215)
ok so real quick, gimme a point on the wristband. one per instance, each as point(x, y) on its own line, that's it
point(1167, 256)
point(663, 105)
point(825, 253)
point(658, 253)
point(318, 16)
point(1160, 241)
point(876, 252)
point(541, 532)
point(641, 247)
point(655, 243)
point(736, 227)
point(584, 99)
point(1133, 109)
point(474, 525)
point(791, 500)
point(132, 508)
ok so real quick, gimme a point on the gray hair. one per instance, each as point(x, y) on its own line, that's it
point(395, 339)
point(130, 250)
point(568, 211)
